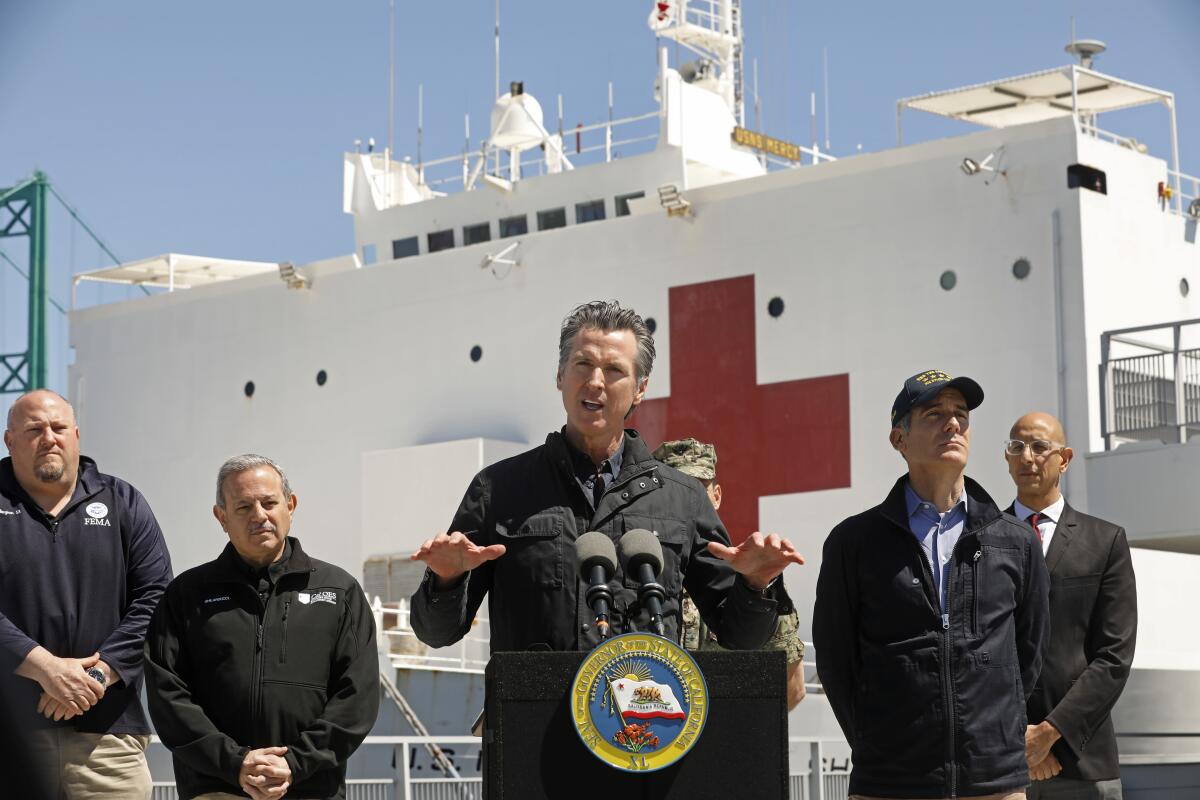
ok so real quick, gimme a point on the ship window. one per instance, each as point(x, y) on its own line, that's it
point(1085, 177)
point(948, 280)
point(775, 307)
point(441, 240)
point(651, 324)
point(621, 202)
point(368, 254)
point(1021, 269)
point(248, 389)
point(552, 218)
point(590, 211)
point(476, 353)
point(403, 248)
point(474, 234)
point(514, 226)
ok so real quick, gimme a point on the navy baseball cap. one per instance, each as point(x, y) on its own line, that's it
point(922, 388)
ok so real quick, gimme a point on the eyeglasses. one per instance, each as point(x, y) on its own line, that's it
point(1039, 447)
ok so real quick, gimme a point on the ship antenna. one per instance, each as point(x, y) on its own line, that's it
point(825, 78)
point(391, 74)
point(497, 49)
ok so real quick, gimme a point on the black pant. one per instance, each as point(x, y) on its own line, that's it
point(1061, 788)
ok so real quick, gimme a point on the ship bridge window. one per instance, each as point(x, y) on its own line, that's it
point(441, 240)
point(368, 254)
point(514, 226)
point(474, 234)
point(403, 248)
point(552, 218)
point(621, 202)
point(590, 211)
point(1081, 176)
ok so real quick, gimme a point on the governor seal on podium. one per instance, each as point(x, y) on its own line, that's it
point(639, 702)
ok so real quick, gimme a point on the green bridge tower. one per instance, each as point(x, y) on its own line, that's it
point(23, 213)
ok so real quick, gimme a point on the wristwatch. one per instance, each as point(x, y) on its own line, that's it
point(97, 675)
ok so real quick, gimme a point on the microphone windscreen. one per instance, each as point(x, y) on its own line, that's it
point(640, 546)
point(595, 548)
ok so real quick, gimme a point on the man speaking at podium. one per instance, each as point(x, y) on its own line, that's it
point(513, 535)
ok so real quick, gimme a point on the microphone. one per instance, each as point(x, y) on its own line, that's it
point(642, 560)
point(597, 559)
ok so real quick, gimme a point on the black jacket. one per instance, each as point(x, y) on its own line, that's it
point(1093, 616)
point(237, 660)
point(931, 711)
point(533, 504)
point(85, 581)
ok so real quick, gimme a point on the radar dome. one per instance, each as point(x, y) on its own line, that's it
point(517, 120)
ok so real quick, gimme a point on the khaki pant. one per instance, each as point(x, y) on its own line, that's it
point(998, 796)
point(91, 766)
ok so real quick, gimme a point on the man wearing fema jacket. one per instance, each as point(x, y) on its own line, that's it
point(931, 617)
point(82, 566)
point(261, 669)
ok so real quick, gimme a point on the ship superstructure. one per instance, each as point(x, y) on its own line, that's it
point(790, 292)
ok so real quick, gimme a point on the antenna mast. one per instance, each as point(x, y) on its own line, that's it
point(497, 49)
point(391, 75)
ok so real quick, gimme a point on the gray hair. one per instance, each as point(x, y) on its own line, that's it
point(904, 423)
point(242, 463)
point(607, 316)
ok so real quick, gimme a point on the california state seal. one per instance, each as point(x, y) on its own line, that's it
point(639, 702)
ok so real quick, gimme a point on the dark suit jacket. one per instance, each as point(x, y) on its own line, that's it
point(1093, 625)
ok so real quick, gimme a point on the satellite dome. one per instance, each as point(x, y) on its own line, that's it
point(517, 120)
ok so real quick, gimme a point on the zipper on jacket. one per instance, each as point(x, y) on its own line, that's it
point(283, 646)
point(975, 591)
point(257, 675)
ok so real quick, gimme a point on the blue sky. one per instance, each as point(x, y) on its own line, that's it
point(217, 127)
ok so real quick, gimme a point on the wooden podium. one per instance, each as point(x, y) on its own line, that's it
point(531, 749)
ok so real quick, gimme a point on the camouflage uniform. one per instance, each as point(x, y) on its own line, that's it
point(700, 461)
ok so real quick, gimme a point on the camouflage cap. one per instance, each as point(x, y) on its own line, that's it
point(689, 457)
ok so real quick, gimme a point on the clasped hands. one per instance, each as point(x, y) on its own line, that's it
point(759, 559)
point(67, 689)
point(265, 774)
point(1039, 738)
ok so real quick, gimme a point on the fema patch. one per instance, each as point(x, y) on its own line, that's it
point(317, 597)
point(97, 510)
point(639, 702)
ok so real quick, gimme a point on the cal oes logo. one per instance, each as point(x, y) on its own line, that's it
point(639, 702)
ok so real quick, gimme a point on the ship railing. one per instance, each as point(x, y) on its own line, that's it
point(397, 639)
point(1152, 391)
point(1181, 192)
point(582, 144)
point(414, 776)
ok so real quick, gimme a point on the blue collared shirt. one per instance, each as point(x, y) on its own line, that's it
point(937, 533)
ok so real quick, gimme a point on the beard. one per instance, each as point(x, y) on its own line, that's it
point(49, 472)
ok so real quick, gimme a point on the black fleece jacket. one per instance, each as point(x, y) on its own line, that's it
point(239, 658)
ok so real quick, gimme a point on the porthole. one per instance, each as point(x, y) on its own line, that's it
point(249, 388)
point(1021, 269)
point(651, 324)
point(948, 280)
point(476, 353)
point(1184, 287)
point(775, 307)
point(321, 378)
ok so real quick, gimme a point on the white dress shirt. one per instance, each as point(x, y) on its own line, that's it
point(1047, 522)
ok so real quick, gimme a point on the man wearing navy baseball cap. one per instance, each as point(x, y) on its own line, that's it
point(931, 615)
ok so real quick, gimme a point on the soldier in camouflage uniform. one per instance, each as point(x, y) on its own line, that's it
point(700, 461)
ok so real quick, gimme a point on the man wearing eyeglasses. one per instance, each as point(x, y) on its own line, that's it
point(1070, 743)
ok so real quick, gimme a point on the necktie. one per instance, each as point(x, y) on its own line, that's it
point(1033, 520)
point(598, 485)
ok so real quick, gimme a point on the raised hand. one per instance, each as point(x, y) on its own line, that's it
point(451, 555)
point(759, 559)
